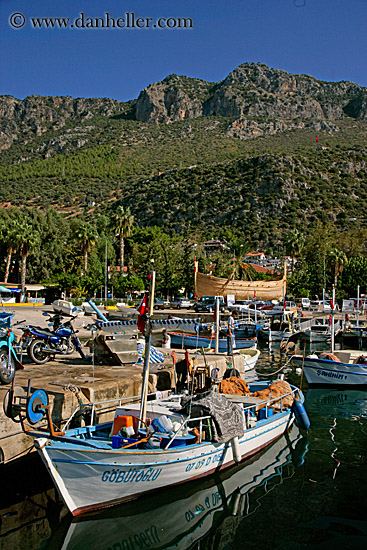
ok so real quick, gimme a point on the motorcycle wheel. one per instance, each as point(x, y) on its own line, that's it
point(7, 368)
point(36, 352)
point(71, 348)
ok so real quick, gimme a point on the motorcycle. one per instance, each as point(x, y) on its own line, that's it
point(9, 362)
point(43, 344)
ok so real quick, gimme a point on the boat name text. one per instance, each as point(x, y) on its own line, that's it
point(331, 375)
point(133, 474)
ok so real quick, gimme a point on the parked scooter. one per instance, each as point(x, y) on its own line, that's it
point(43, 344)
point(9, 362)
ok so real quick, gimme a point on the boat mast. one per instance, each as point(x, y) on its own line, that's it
point(148, 339)
point(332, 322)
point(217, 322)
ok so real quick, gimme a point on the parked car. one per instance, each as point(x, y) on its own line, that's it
point(179, 303)
point(239, 305)
point(319, 305)
point(208, 303)
point(160, 304)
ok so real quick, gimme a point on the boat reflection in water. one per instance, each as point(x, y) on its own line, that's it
point(181, 517)
point(337, 402)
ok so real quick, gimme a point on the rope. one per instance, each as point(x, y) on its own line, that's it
point(276, 372)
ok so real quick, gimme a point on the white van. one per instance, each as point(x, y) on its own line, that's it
point(304, 303)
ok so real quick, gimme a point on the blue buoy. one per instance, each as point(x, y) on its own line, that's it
point(300, 413)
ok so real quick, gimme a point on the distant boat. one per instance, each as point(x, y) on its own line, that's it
point(63, 307)
point(185, 340)
point(317, 330)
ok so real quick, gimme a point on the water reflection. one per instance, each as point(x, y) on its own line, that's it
point(180, 518)
point(337, 402)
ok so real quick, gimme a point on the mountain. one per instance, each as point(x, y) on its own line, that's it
point(251, 90)
point(191, 152)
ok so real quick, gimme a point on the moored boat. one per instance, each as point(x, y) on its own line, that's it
point(186, 340)
point(340, 368)
point(181, 519)
point(183, 438)
point(91, 474)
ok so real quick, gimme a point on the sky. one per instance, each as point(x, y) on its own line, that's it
point(323, 38)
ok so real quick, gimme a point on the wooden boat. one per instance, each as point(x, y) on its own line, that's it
point(186, 340)
point(274, 289)
point(93, 469)
point(173, 519)
point(340, 368)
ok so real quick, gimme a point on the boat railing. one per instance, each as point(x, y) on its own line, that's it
point(186, 422)
point(106, 406)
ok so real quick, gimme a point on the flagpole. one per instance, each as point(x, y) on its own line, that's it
point(333, 322)
point(148, 339)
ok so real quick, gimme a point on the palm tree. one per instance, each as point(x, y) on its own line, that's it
point(10, 237)
point(29, 238)
point(294, 241)
point(122, 224)
point(86, 233)
point(338, 259)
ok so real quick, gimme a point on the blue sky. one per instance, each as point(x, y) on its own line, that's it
point(324, 38)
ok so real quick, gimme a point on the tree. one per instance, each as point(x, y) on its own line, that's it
point(10, 237)
point(122, 223)
point(338, 259)
point(86, 233)
point(294, 242)
point(29, 238)
point(355, 274)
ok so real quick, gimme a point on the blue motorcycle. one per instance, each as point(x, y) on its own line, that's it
point(43, 344)
point(9, 362)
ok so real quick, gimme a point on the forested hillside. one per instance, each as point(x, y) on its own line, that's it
point(253, 157)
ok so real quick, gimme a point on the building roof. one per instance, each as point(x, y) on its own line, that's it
point(260, 269)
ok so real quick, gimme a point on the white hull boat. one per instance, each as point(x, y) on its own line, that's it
point(90, 473)
point(182, 520)
point(341, 368)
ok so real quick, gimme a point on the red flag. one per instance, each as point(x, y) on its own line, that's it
point(142, 309)
point(331, 304)
point(255, 293)
point(317, 139)
point(285, 304)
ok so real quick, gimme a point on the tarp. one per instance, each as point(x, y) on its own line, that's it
point(227, 417)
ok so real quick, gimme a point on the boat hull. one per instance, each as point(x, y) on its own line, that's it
point(89, 479)
point(327, 372)
point(193, 341)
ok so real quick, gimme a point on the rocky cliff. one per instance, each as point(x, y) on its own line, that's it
point(251, 90)
point(35, 115)
point(252, 101)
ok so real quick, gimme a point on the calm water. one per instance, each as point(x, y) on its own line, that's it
point(305, 491)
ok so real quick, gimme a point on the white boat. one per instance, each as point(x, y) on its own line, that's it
point(173, 519)
point(93, 469)
point(63, 307)
point(340, 368)
point(318, 330)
